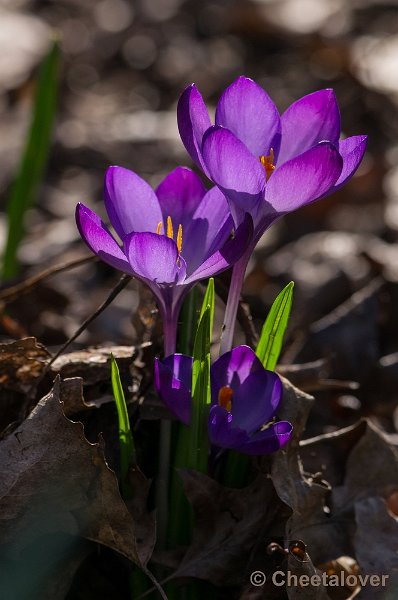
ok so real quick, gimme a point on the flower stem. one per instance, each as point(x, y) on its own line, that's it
point(170, 320)
point(238, 276)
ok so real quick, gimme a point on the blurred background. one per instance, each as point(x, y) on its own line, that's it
point(124, 64)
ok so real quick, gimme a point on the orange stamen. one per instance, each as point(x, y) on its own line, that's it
point(159, 228)
point(170, 231)
point(179, 239)
point(225, 397)
point(268, 163)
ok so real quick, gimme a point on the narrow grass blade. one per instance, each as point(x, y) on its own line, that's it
point(208, 300)
point(198, 454)
point(271, 339)
point(34, 158)
point(126, 442)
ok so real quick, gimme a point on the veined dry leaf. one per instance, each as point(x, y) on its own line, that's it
point(376, 546)
point(304, 494)
point(93, 364)
point(308, 592)
point(54, 482)
point(144, 522)
point(21, 363)
point(228, 526)
point(71, 395)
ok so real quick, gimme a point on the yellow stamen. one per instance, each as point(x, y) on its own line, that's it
point(179, 238)
point(268, 163)
point(225, 397)
point(170, 232)
point(159, 228)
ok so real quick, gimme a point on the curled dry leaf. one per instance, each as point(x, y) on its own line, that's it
point(54, 482)
point(21, 364)
point(93, 364)
point(371, 470)
point(71, 395)
point(228, 526)
point(304, 567)
point(345, 565)
point(144, 522)
point(376, 546)
point(304, 494)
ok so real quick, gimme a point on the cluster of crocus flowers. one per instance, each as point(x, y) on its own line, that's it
point(263, 165)
point(244, 400)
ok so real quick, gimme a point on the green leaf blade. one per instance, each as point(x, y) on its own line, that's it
point(126, 441)
point(201, 397)
point(270, 344)
point(34, 157)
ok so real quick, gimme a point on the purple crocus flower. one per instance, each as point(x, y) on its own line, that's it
point(244, 400)
point(266, 164)
point(171, 238)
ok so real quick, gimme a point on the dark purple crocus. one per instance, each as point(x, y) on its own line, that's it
point(267, 164)
point(244, 400)
point(171, 238)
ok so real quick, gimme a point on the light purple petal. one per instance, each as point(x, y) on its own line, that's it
point(130, 202)
point(154, 257)
point(269, 440)
point(232, 369)
point(312, 119)
point(179, 195)
point(208, 230)
point(221, 431)
point(351, 150)
point(238, 173)
point(247, 110)
point(304, 178)
point(193, 120)
point(256, 400)
point(98, 238)
point(181, 367)
point(231, 251)
point(170, 383)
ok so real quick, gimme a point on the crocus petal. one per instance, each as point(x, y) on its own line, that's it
point(171, 387)
point(181, 367)
point(351, 150)
point(269, 440)
point(256, 400)
point(208, 230)
point(230, 252)
point(247, 110)
point(312, 119)
point(130, 202)
point(154, 257)
point(232, 369)
point(304, 178)
point(193, 120)
point(98, 238)
point(238, 173)
point(179, 195)
point(221, 431)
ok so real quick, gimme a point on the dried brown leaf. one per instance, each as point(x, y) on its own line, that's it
point(303, 493)
point(71, 395)
point(21, 364)
point(93, 364)
point(376, 546)
point(228, 525)
point(145, 522)
point(55, 482)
